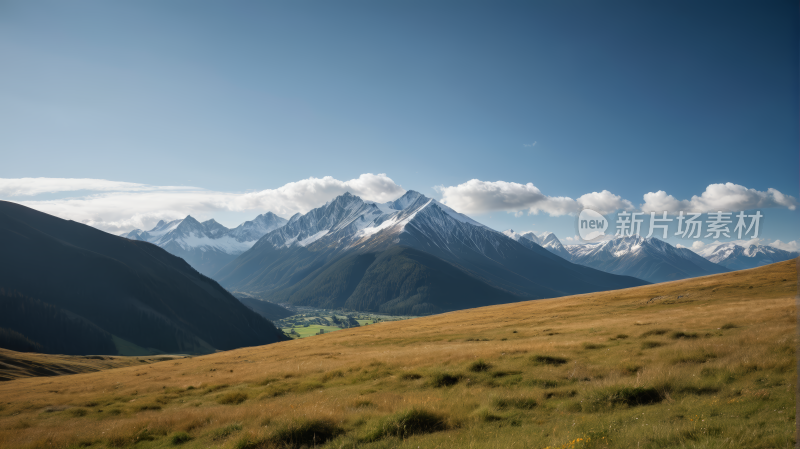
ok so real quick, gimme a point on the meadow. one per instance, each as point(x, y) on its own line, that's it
point(311, 321)
point(702, 363)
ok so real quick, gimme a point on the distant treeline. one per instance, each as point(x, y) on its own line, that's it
point(30, 325)
point(17, 342)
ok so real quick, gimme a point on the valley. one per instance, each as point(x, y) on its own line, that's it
point(312, 321)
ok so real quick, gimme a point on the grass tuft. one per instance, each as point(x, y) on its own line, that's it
point(677, 335)
point(146, 407)
point(696, 357)
point(179, 438)
point(224, 432)
point(654, 332)
point(233, 397)
point(518, 403)
point(622, 396)
point(440, 380)
point(548, 360)
point(729, 326)
point(404, 424)
point(479, 366)
point(78, 412)
point(304, 432)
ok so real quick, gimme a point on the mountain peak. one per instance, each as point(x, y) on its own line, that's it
point(408, 198)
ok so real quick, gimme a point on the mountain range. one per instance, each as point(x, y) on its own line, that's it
point(654, 260)
point(411, 256)
point(650, 259)
point(207, 246)
point(546, 240)
point(738, 257)
point(73, 289)
point(351, 224)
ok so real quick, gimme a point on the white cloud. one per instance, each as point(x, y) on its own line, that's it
point(476, 197)
point(141, 206)
point(726, 197)
point(787, 246)
point(36, 186)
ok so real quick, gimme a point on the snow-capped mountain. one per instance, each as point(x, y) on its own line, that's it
point(650, 259)
point(547, 240)
point(370, 256)
point(207, 246)
point(739, 257)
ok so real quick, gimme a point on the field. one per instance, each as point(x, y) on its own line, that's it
point(700, 363)
point(311, 321)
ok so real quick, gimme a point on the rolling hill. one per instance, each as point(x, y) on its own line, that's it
point(703, 362)
point(132, 290)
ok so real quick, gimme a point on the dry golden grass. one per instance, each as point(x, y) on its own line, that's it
point(579, 371)
point(15, 365)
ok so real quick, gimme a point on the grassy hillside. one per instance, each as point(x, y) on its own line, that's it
point(16, 365)
point(704, 362)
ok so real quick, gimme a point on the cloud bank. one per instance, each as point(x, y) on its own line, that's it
point(726, 197)
point(124, 206)
point(477, 197)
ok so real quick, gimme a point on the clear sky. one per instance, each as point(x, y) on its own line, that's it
point(573, 97)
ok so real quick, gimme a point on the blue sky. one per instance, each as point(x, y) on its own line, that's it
point(231, 97)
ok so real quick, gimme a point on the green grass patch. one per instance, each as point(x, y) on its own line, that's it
point(225, 432)
point(179, 438)
point(232, 398)
point(518, 403)
point(651, 344)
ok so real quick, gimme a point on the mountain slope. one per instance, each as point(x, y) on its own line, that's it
point(325, 258)
point(131, 289)
point(645, 258)
point(207, 246)
point(547, 240)
point(738, 257)
point(52, 328)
